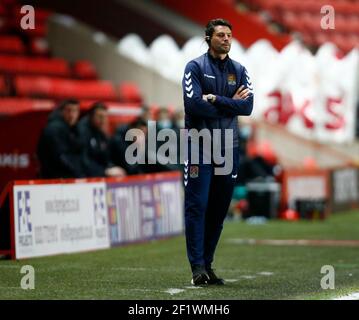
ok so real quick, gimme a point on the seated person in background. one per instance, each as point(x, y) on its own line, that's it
point(177, 125)
point(118, 146)
point(60, 149)
point(164, 120)
point(178, 120)
point(93, 129)
point(146, 114)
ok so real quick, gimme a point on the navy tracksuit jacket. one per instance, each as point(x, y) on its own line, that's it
point(207, 196)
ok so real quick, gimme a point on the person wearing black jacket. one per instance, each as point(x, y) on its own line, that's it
point(60, 149)
point(118, 146)
point(93, 130)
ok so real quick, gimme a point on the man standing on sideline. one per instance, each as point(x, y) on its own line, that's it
point(216, 90)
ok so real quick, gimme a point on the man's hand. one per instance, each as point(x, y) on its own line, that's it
point(115, 172)
point(209, 98)
point(242, 93)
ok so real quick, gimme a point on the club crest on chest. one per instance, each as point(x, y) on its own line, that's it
point(231, 79)
point(193, 171)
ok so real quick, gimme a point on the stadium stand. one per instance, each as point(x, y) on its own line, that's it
point(47, 87)
point(3, 86)
point(32, 82)
point(129, 92)
point(35, 66)
point(84, 70)
point(304, 16)
point(11, 44)
point(36, 76)
point(127, 58)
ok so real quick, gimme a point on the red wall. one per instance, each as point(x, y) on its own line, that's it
point(18, 140)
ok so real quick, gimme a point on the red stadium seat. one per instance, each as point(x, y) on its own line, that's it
point(3, 10)
point(84, 70)
point(340, 41)
point(320, 38)
point(58, 88)
point(130, 92)
point(312, 22)
point(3, 86)
point(304, 16)
point(353, 24)
point(39, 66)
point(11, 44)
point(4, 24)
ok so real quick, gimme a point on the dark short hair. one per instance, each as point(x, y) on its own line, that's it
point(66, 102)
point(96, 106)
point(214, 23)
point(138, 123)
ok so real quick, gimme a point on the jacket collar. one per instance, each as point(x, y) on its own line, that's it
point(221, 64)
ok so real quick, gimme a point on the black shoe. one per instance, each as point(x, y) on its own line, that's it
point(199, 276)
point(213, 279)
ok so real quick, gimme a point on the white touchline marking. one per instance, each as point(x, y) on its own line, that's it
point(265, 273)
point(118, 289)
point(231, 280)
point(247, 277)
point(130, 268)
point(296, 242)
point(172, 291)
point(193, 287)
point(140, 289)
point(352, 296)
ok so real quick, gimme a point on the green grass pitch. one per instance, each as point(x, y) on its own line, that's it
point(154, 270)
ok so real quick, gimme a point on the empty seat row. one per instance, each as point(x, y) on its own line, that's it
point(312, 23)
point(59, 88)
point(29, 65)
point(11, 64)
point(305, 17)
point(11, 44)
point(277, 6)
point(14, 45)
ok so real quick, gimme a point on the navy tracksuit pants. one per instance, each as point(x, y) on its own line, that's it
point(207, 199)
